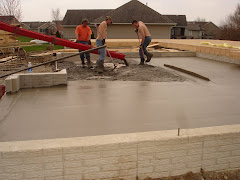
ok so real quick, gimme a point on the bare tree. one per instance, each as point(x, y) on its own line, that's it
point(230, 28)
point(198, 19)
point(56, 14)
point(57, 18)
point(11, 8)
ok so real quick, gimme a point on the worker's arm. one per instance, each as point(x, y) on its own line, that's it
point(89, 39)
point(76, 33)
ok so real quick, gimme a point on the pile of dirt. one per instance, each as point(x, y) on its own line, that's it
point(133, 72)
point(225, 175)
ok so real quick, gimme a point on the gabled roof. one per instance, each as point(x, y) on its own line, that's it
point(75, 17)
point(181, 20)
point(135, 10)
point(194, 27)
point(200, 23)
point(203, 24)
point(9, 19)
point(34, 25)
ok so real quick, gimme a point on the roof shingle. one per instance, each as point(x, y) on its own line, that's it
point(34, 25)
point(181, 20)
point(135, 10)
point(9, 19)
point(194, 27)
point(74, 17)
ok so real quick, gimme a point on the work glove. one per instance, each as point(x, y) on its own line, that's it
point(103, 41)
point(141, 46)
point(89, 43)
point(136, 30)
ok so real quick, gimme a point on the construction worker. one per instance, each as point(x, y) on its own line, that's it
point(100, 41)
point(146, 40)
point(83, 34)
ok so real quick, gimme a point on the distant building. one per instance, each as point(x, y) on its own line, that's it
point(48, 28)
point(9, 19)
point(7, 37)
point(159, 25)
point(202, 30)
point(211, 30)
point(73, 18)
point(194, 31)
point(178, 31)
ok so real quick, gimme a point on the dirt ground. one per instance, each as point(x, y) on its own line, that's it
point(226, 175)
point(133, 72)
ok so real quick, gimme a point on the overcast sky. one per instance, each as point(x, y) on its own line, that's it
point(211, 10)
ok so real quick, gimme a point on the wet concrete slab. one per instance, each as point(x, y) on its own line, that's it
point(88, 108)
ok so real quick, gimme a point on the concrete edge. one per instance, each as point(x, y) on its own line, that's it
point(218, 58)
point(117, 138)
point(162, 54)
point(19, 81)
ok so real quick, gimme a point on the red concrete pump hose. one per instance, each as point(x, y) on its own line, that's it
point(54, 40)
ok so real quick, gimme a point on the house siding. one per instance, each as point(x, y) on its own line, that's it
point(194, 35)
point(124, 32)
point(211, 30)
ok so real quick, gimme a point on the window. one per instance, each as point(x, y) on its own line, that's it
point(42, 30)
point(182, 31)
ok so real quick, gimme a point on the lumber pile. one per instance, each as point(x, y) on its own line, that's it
point(6, 37)
point(3, 60)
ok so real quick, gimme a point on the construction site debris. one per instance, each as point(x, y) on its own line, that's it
point(122, 73)
point(210, 175)
point(51, 61)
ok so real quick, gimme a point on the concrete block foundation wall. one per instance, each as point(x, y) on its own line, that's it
point(229, 55)
point(126, 156)
point(35, 80)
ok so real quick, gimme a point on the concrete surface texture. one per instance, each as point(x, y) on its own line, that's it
point(88, 108)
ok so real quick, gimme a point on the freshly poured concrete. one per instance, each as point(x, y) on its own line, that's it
point(87, 108)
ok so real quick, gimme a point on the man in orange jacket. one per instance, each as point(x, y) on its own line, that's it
point(83, 34)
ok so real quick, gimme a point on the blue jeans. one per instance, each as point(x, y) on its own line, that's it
point(102, 52)
point(82, 56)
point(147, 41)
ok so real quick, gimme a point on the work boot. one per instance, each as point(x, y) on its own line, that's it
point(89, 64)
point(100, 66)
point(83, 64)
point(149, 57)
point(142, 62)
